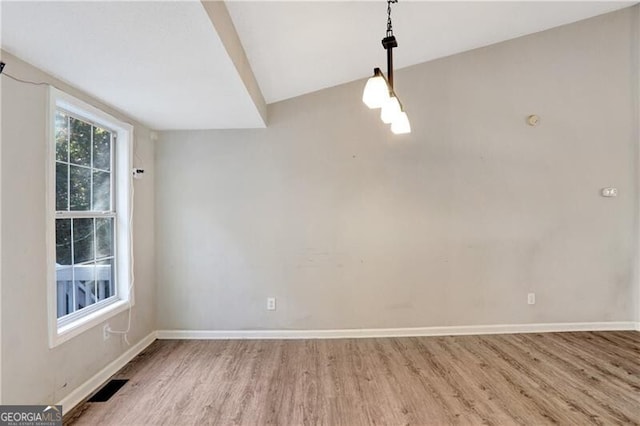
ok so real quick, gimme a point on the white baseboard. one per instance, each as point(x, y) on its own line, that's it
point(395, 332)
point(91, 385)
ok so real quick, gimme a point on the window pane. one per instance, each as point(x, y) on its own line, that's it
point(64, 279)
point(85, 285)
point(82, 240)
point(63, 242)
point(62, 146)
point(105, 273)
point(104, 237)
point(62, 187)
point(101, 191)
point(101, 149)
point(64, 290)
point(80, 191)
point(80, 142)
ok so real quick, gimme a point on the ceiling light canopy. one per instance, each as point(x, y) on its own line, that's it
point(379, 93)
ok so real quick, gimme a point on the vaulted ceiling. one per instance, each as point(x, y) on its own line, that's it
point(189, 65)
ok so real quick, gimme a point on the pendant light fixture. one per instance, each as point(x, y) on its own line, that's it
point(379, 93)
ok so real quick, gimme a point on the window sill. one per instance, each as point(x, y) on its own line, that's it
point(59, 335)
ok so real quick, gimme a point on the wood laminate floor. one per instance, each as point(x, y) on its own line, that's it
point(530, 379)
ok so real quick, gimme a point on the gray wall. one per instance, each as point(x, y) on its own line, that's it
point(33, 373)
point(350, 226)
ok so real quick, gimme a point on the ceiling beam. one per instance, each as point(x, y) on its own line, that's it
point(223, 24)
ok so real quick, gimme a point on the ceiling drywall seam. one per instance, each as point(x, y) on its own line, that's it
point(221, 20)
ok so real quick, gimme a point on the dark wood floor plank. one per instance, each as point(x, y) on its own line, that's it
point(551, 378)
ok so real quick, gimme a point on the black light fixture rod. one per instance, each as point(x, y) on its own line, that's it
point(390, 66)
point(389, 43)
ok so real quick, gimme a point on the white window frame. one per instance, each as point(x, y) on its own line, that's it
point(91, 316)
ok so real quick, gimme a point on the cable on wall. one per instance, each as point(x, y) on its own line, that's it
point(125, 333)
point(19, 80)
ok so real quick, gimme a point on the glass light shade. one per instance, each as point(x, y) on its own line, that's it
point(375, 92)
point(390, 110)
point(401, 124)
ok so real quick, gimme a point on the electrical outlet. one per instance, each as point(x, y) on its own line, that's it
point(531, 298)
point(105, 332)
point(271, 303)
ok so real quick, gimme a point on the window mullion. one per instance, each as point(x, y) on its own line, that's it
point(95, 255)
point(113, 140)
point(68, 163)
point(73, 270)
point(91, 169)
point(83, 214)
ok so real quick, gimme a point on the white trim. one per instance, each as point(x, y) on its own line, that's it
point(50, 203)
point(83, 391)
point(88, 321)
point(122, 187)
point(396, 332)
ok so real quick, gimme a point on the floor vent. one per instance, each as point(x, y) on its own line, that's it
point(108, 390)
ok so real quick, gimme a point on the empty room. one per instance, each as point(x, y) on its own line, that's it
point(319, 213)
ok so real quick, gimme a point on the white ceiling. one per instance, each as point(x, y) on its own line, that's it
point(301, 47)
point(164, 64)
point(160, 62)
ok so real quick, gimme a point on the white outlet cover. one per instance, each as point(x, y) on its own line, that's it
point(271, 303)
point(609, 192)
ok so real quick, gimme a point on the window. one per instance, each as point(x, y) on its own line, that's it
point(89, 212)
point(85, 213)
